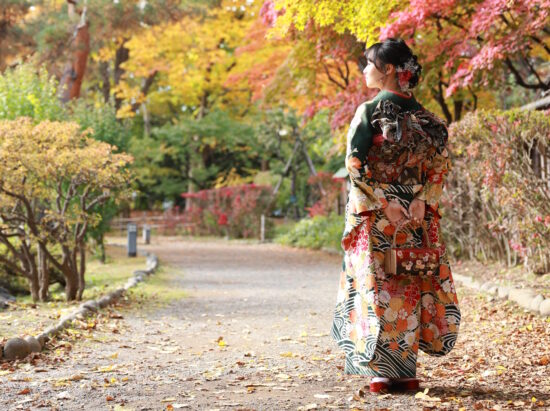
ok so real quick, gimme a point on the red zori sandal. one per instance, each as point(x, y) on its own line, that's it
point(407, 385)
point(380, 386)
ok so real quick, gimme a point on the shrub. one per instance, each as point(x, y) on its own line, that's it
point(27, 91)
point(497, 202)
point(234, 211)
point(317, 232)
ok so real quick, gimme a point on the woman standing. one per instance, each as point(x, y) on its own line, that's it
point(397, 161)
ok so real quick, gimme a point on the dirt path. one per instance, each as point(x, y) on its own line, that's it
point(253, 333)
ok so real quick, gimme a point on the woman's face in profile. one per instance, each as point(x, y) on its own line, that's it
point(374, 78)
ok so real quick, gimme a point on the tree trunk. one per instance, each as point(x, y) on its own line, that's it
point(34, 287)
point(122, 55)
point(71, 286)
point(43, 274)
point(72, 77)
point(293, 193)
point(106, 82)
point(70, 273)
point(101, 246)
point(81, 270)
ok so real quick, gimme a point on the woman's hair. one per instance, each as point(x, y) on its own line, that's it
point(396, 52)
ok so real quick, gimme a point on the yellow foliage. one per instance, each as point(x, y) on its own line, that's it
point(361, 18)
point(192, 57)
point(59, 168)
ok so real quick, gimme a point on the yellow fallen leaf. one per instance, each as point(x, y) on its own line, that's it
point(107, 368)
point(222, 343)
point(286, 354)
point(303, 334)
point(114, 356)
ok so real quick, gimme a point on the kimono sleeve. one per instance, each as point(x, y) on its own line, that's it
point(436, 169)
point(364, 192)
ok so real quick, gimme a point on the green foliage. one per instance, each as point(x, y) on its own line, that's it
point(101, 118)
point(211, 147)
point(30, 92)
point(317, 232)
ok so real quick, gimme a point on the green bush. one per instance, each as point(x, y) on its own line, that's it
point(28, 91)
point(317, 233)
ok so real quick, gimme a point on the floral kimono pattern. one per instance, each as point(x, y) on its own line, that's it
point(381, 320)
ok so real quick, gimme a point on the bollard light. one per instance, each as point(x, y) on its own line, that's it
point(146, 234)
point(132, 240)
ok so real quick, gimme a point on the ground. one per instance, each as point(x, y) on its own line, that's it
point(247, 327)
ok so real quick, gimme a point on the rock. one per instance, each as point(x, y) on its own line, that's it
point(503, 291)
point(535, 302)
point(91, 305)
point(43, 339)
point(34, 344)
point(152, 262)
point(66, 320)
point(50, 332)
point(5, 297)
point(82, 313)
point(544, 308)
point(523, 297)
point(104, 301)
point(132, 282)
point(16, 348)
point(117, 293)
point(493, 289)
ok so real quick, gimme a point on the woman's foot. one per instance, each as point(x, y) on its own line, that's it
point(380, 384)
point(405, 384)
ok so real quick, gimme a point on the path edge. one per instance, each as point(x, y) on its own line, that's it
point(18, 348)
point(527, 298)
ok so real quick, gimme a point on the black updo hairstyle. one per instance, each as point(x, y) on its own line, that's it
point(394, 51)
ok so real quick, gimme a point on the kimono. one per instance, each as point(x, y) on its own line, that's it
point(396, 150)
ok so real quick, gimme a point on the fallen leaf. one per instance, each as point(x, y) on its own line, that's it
point(322, 396)
point(24, 391)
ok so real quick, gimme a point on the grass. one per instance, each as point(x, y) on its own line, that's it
point(28, 318)
point(159, 289)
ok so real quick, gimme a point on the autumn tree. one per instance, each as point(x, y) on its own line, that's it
point(468, 49)
point(53, 179)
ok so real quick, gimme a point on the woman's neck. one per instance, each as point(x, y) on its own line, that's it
point(399, 93)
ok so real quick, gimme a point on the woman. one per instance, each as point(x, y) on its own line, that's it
point(397, 162)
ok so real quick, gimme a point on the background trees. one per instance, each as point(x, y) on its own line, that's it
point(209, 94)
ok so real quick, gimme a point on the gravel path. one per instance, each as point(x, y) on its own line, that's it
point(253, 333)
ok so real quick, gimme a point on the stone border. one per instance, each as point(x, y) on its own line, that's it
point(17, 348)
point(525, 297)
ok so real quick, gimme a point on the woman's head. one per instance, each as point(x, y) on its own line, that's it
point(391, 64)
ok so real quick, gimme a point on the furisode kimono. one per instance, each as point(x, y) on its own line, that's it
point(396, 150)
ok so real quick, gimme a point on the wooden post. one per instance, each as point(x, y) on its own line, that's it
point(262, 228)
